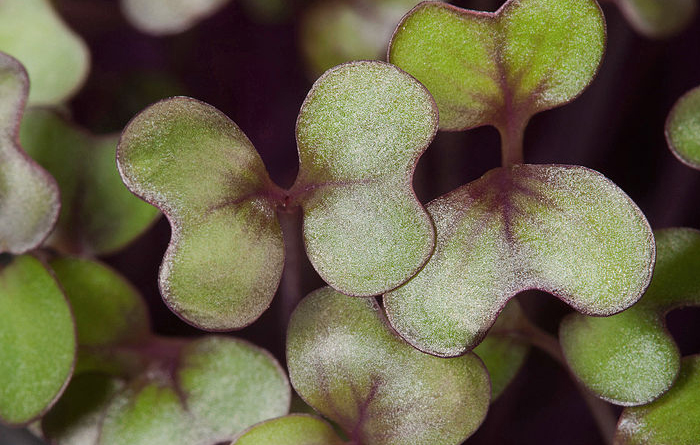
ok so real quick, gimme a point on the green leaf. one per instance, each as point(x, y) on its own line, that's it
point(501, 68)
point(658, 18)
point(75, 419)
point(565, 230)
point(502, 354)
point(347, 363)
point(630, 358)
point(672, 419)
point(98, 214)
point(683, 128)
point(360, 133)
point(165, 17)
point(29, 202)
point(56, 58)
point(37, 340)
point(225, 258)
point(213, 389)
point(340, 31)
point(294, 429)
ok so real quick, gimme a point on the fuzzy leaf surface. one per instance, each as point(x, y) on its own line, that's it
point(346, 362)
point(658, 18)
point(360, 133)
point(214, 389)
point(165, 17)
point(98, 214)
point(671, 419)
point(294, 429)
point(29, 198)
point(566, 230)
point(56, 58)
point(501, 68)
point(226, 252)
point(630, 358)
point(37, 340)
point(683, 128)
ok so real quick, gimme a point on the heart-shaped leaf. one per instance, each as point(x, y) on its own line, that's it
point(226, 254)
point(212, 390)
point(683, 128)
point(346, 362)
point(672, 419)
point(501, 68)
point(98, 214)
point(56, 58)
point(164, 17)
point(658, 18)
point(360, 133)
point(29, 202)
point(340, 31)
point(502, 354)
point(565, 230)
point(37, 340)
point(630, 358)
point(294, 429)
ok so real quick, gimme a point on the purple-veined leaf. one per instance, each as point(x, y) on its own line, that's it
point(346, 362)
point(565, 230)
point(29, 199)
point(630, 358)
point(683, 128)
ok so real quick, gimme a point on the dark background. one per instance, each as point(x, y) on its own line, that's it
point(254, 73)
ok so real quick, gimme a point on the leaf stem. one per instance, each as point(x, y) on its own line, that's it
point(602, 412)
point(512, 135)
point(291, 290)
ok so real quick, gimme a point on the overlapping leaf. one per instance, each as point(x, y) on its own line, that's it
point(294, 429)
point(137, 388)
point(37, 340)
point(56, 58)
point(98, 214)
point(630, 358)
point(658, 18)
point(672, 419)
point(501, 68)
point(164, 17)
point(562, 229)
point(683, 128)
point(360, 132)
point(29, 202)
point(347, 363)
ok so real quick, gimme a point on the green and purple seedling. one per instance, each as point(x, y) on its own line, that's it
point(165, 17)
point(671, 419)
point(347, 363)
point(658, 18)
point(630, 358)
point(29, 198)
point(37, 340)
point(56, 58)
point(563, 229)
point(98, 214)
point(132, 387)
point(360, 133)
point(683, 129)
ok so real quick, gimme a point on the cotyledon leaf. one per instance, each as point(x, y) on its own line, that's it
point(360, 133)
point(217, 388)
point(683, 128)
point(98, 214)
point(566, 230)
point(658, 18)
point(501, 68)
point(630, 358)
point(294, 429)
point(164, 17)
point(346, 362)
point(56, 58)
point(226, 253)
point(37, 340)
point(29, 199)
point(671, 419)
